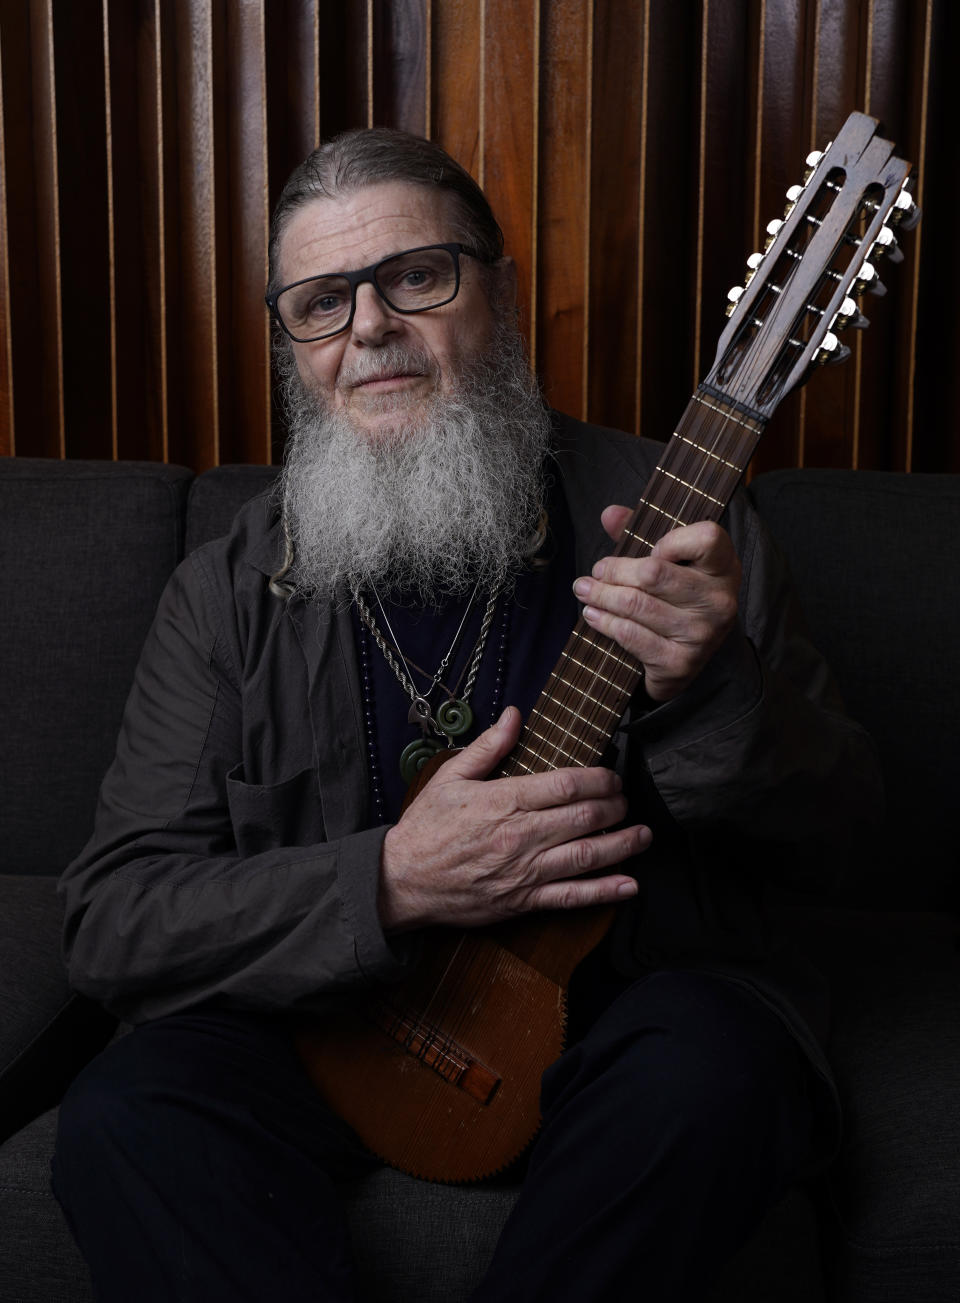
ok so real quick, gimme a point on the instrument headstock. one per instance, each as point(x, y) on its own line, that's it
point(818, 260)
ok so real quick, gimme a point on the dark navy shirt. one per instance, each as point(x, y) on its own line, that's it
point(531, 624)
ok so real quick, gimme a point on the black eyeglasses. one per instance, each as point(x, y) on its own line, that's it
point(413, 281)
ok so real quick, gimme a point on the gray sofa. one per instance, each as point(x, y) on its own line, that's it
point(87, 548)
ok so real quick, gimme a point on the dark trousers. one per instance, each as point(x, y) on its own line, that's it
point(195, 1162)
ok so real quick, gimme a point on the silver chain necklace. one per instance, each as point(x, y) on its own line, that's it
point(453, 717)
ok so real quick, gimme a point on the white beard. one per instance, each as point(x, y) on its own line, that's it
point(435, 504)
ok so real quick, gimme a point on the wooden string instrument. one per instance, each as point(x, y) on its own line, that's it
point(441, 1075)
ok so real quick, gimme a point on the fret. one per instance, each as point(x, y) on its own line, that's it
point(539, 764)
point(612, 683)
point(714, 450)
point(705, 468)
point(707, 453)
point(638, 538)
point(676, 519)
point(548, 741)
point(591, 723)
point(692, 487)
point(581, 692)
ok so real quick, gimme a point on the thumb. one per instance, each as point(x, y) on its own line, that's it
point(614, 519)
point(486, 751)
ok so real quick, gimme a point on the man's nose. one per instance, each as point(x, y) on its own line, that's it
point(373, 319)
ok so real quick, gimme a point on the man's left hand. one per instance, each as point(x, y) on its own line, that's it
point(671, 609)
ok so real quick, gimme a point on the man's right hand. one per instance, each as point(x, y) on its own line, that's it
point(468, 852)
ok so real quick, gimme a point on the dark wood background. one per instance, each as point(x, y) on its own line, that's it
point(633, 149)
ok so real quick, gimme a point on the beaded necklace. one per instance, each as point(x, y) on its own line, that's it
point(366, 642)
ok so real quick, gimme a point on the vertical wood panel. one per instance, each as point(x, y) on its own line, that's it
point(668, 226)
point(400, 39)
point(47, 434)
point(292, 59)
point(244, 399)
point(564, 219)
point(616, 128)
point(936, 439)
point(7, 444)
point(345, 69)
point(456, 80)
point(900, 44)
point(509, 164)
point(192, 332)
point(884, 40)
point(84, 228)
point(726, 175)
point(918, 99)
point(633, 152)
point(136, 227)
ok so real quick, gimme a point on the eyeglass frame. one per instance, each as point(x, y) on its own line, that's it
point(367, 276)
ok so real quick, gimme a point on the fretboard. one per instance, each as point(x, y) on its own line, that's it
point(592, 683)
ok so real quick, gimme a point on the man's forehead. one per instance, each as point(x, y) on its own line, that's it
point(355, 229)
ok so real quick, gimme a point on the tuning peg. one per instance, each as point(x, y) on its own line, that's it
point(886, 244)
point(905, 212)
point(812, 161)
point(733, 297)
point(831, 350)
point(793, 194)
point(849, 317)
point(753, 262)
point(772, 230)
point(868, 281)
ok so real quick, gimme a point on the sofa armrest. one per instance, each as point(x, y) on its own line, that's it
point(46, 1032)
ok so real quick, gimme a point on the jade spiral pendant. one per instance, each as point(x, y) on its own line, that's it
point(415, 755)
point(454, 717)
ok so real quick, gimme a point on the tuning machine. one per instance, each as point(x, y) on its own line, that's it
point(885, 245)
point(849, 317)
point(868, 281)
point(773, 230)
point(905, 212)
point(812, 162)
point(793, 194)
point(831, 351)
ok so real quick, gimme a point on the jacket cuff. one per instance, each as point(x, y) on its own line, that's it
point(728, 688)
point(358, 869)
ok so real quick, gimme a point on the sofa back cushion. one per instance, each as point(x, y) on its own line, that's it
point(87, 549)
point(872, 555)
point(217, 495)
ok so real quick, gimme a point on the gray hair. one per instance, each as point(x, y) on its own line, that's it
point(372, 156)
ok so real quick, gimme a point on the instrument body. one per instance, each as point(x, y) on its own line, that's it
point(441, 1075)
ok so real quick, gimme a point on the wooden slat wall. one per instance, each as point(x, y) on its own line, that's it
point(633, 149)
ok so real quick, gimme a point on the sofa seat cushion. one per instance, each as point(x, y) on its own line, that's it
point(39, 1261)
point(895, 1050)
point(411, 1239)
point(46, 1033)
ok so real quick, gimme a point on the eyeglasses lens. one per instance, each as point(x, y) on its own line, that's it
point(410, 282)
point(423, 279)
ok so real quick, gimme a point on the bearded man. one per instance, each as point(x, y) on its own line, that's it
point(419, 570)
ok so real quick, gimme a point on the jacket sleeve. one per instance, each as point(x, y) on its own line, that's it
point(163, 909)
point(758, 752)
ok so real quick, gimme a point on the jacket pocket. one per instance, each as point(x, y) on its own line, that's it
point(281, 814)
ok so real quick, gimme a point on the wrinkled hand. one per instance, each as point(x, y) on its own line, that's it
point(671, 609)
point(467, 853)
